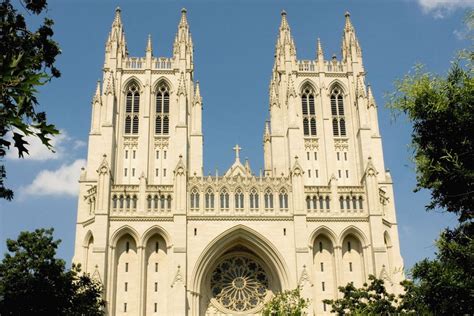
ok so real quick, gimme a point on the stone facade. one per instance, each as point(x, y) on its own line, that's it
point(166, 240)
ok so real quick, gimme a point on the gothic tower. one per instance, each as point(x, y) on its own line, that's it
point(166, 240)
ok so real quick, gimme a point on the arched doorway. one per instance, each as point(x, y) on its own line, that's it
point(237, 274)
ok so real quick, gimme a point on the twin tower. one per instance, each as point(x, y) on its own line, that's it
point(164, 239)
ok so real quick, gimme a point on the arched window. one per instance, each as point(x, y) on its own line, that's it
point(168, 202)
point(268, 197)
point(254, 199)
point(132, 110)
point(194, 199)
point(361, 206)
point(283, 198)
point(148, 202)
point(162, 202)
point(209, 199)
point(162, 110)
point(239, 199)
point(337, 111)
point(224, 197)
point(308, 203)
point(308, 110)
point(155, 202)
point(114, 201)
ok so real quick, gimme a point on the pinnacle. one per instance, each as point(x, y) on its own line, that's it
point(320, 49)
point(284, 22)
point(117, 19)
point(148, 44)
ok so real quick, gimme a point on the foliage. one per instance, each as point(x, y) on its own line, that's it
point(34, 282)
point(373, 299)
point(446, 284)
point(441, 110)
point(26, 63)
point(288, 303)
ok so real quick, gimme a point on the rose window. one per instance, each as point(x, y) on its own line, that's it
point(239, 284)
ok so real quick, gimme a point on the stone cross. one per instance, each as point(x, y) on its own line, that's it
point(237, 150)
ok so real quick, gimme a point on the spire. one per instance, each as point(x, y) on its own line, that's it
point(350, 45)
point(284, 23)
point(285, 47)
point(319, 52)
point(118, 17)
point(348, 26)
point(183, 44)
point(197, 94)
point(96, 98)
point(116, 46)
point(184, 21)
point(149, 48)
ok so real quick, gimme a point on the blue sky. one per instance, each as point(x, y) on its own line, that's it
point(234, 46)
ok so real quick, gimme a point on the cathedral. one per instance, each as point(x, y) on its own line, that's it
point(165, 239)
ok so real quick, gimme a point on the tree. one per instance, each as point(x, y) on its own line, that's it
point(441, 109)
point(34, 282)
point(446, 283)
point(373, 299)
point(26, 63)
point(289, 303)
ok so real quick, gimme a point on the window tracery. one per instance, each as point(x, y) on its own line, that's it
point(209, 199)
point(239, 200)
point(162, 110)
point(132, 110)
point(308, 110)
point(253, 200)
point(239, 284)
point(268, 197)
point(337, 111)
point(224, 199)
point(194, 199)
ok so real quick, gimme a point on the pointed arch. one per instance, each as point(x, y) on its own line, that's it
point(308, 82)
point(323, 230)
point(224, 198)
point(132, 94)
point(161, 80)
point(337, 83)
point(254, 199)
point(337, 100)
point(162, 107)
point(87, 238)
point(308, 109)
point(243, 235)
point(156, 230)
point(357, 232)
point(132, 80)
point(126, 229)
point(239, 198)
point(209, 198)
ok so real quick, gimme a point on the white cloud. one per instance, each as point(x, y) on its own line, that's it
point(39, 152)
point(63, 181)
point(440, 8)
